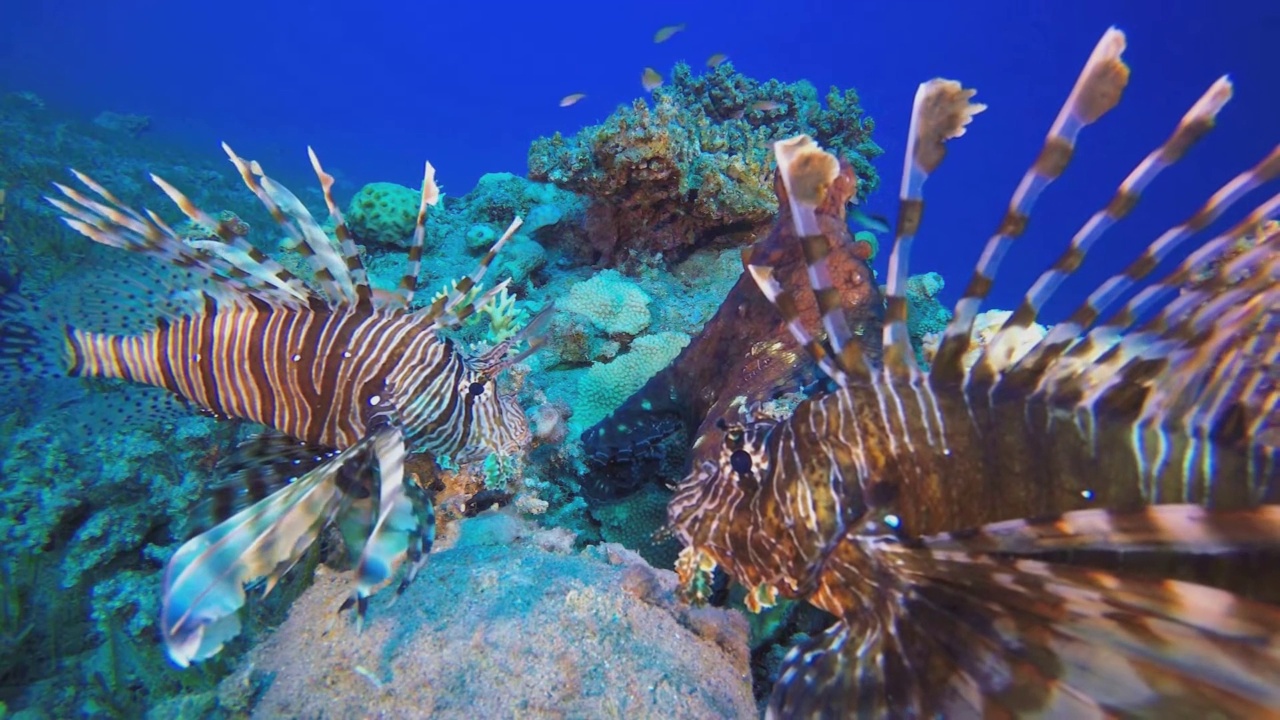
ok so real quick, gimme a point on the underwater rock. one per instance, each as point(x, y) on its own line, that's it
point(744, 355)
point(499, 631)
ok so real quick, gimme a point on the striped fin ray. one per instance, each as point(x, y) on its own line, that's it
point(347, 244)
point(243, 257)
point(1185, 528)
point(1198, 323)
point(941, 111)
point(120, 226)
point(1096, 92)
point(1104, 336)
point(999, 352)
point(807, 174)
point(1065, 337)
point(445, 311)
point(404, 525)
point(969, 634)
point(293, 217)
point(204, 581)
point(255, 469)
point(785, 304)
point(430, 196)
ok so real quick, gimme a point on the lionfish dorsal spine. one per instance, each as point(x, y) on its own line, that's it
point(940, 112)
point(997, 356)
point(119, 226)
point(359, 277)
point(450, 309)
point(430, 196)
point(1097, 90)
point(307, 237)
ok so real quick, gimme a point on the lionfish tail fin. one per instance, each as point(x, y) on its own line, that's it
point(942, 111)
point(204, 582)
point(31, 346)
point(1096, 92)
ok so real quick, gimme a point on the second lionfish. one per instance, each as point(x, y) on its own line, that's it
point(1083, 525)
point(350, 380)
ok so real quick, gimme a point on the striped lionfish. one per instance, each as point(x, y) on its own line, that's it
point(1086, 527)
point(352, 379)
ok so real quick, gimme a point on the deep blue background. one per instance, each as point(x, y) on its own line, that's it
point(378, 86)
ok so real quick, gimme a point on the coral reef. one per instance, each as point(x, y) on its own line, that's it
point(511, 623)
point(694, 168)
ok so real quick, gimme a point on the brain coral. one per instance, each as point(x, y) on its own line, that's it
point(694, 168)
point(611, 302)
point(383, 213)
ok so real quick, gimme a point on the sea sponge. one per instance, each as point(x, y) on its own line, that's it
point(612, 303)
point(480, 237)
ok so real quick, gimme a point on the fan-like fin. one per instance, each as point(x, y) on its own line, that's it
point(204, 582)
point(309, 239)
point(977, 635)
point(1196, 123)
point(404, 525)
point(119, 226)
point(347, 244)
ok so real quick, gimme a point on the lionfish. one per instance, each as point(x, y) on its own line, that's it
point(1084, 526)
point(350, 380)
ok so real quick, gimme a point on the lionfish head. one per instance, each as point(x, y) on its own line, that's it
point(730, 513)
point(498, 423)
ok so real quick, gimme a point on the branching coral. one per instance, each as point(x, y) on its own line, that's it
point(694, 168)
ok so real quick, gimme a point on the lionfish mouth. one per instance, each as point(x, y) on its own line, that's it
point(1074, 522)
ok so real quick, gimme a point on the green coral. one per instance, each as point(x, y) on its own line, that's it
point(384, 213)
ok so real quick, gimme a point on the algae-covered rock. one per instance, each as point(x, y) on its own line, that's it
point(511, 630)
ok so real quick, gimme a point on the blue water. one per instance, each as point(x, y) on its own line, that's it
point(376, 87)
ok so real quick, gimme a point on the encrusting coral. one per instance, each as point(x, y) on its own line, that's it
point(694, 167)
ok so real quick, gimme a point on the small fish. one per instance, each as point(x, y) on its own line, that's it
point(715, 60)
point(573, 99)
point(651, 80)
point(665, 33)
point(874, 223)
point(767, 105)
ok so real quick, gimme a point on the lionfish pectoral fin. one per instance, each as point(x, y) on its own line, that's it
point(204, 583)
point(254, 470)
point(1030, 638)
point(404, 524)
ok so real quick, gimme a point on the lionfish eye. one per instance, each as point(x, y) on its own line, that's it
point(740, 461)
point(476, 389)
